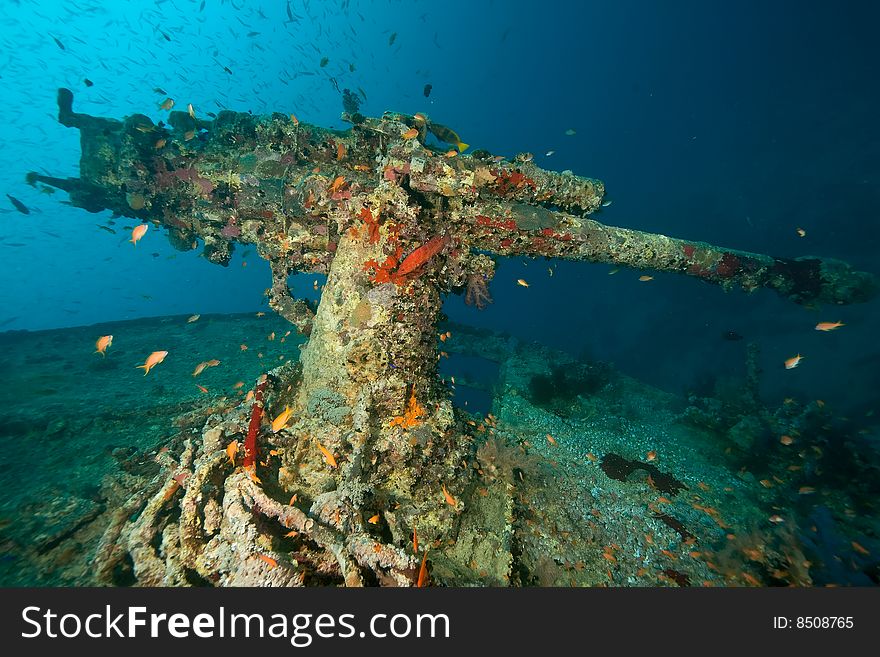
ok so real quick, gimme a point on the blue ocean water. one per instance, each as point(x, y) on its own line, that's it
point(733, 123)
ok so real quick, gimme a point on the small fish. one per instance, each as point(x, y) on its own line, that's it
point(269, 560)
point(160, 91)
point(606, 204)
point(392, 38)
point(166, 104)
point(328, 455)
point(340, 151)
point(58, 43)
point(160, 144)
point(613, 271)
point(860, 548)
point(571, 132)
point(451, 153)
point(449, 499)
point(549, 153)
point(138, 232)
point(551, 439)
point(21, 207)
point(776, 519)
point(412, 133)
point(651, 456)
point(793, 362)
point(238, 385)
point(232, 450)
point(294, 119)
point(336, 184)
point(646, 278)
point(243, 347)
point(829, 326)
point(423, 571)
point(786, 440)
point(801, 232)
point(188, 135)
point(192, 319)
point(374, 520)
point(427, 90)
point(281, 420)
point(521, 282)
point(152, 360)
point(415, 542)
point(271, 336)
point(103, 342)
point(200, 368)
point(324, 61)
point(806, 490)
point(190, 110)
point(88, 82)
point(202, 388)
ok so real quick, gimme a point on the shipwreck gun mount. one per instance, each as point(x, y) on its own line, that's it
point(293, 189)
point(393, 223)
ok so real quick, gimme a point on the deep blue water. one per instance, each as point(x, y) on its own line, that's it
point(734, 123)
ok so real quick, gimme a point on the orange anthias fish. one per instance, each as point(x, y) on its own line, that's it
point(281, 420)
point(138, 232)
point(152, 360)
point(412, 133)
point(374, 520)
point(336, 184)
point(829, 326)
point(793, 362)
point(232, 450)
point(269, 560)
point(449, 499)
point(328, 455)
point(103, 342)
point(423, 571)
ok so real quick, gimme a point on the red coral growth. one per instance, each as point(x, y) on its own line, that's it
point(383, 272)
point(728, 266)
point(699, 270)
point(506, 183)
point(231, 229)
point(371, 224)
point(689, 250)
point(250, 443)
point(413, 265)
point(508, 224)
